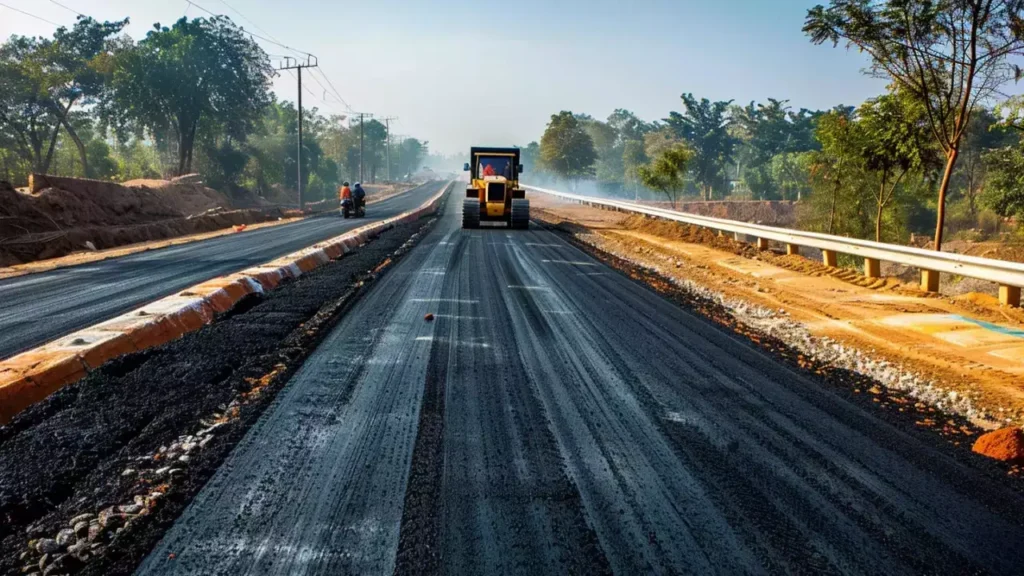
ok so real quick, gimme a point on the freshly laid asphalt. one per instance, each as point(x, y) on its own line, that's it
point(37, 308)
point(557, 417)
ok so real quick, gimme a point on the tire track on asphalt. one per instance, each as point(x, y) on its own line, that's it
point(558, 417)
point(317, 486)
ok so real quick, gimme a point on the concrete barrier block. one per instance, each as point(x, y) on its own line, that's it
point(1009, 295)
point(94, 347)
point(872, 268)
point(268, 278)
point(43, 374)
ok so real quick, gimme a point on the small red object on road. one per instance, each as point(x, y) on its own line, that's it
point(429, 317)
point(171, 556)
point(239, 227)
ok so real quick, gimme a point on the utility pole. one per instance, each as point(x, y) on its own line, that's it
point(362, 117)
point(387, 144)
point(294, 64)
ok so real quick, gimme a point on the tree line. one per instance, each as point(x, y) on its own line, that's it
point(192, 97)
point(941, 148)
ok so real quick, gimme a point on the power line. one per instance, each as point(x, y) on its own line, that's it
point(72, 10)
point(30, 14)
point(254, 25)
point(251, 33)
point(336, 93)
point(273, 40)
point(315, 71)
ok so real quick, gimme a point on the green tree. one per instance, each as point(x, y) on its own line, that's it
point(633, 157)
point(950, 55)
point(566, 149)
point(704, 125)
point(204, 73)
point(791, 173)
point(667, 172)
point(530, 158)
point(43, 80)
point(895, 144)
point(836, 169)
point(409, 156)
point(984, 132)
point(764, 131)
point(628, 126)
point(1004, 190)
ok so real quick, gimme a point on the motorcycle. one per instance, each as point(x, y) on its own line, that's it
point(350, 207)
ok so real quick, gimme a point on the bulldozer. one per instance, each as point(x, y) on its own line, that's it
point(493, 193)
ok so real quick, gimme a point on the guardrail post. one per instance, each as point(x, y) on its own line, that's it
point(929, 280)
point(762, 243)
point(872, 268)
point(739, 237)
point(792, 249)
point(1009, 295)
point(829, 258)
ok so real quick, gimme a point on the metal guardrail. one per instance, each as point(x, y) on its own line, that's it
point(1008, 275)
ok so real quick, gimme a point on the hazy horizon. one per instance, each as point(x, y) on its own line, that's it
point(430, 65)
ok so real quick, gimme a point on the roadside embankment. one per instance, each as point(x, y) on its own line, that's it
point(66, 215)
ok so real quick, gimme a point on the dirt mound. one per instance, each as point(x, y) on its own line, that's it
point(769, 212)
point(1006, 445)
point(61, 215)
point(1012, 252)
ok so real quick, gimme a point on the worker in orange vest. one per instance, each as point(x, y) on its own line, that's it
point(345, 191)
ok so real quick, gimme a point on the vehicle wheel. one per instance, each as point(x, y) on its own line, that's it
point(347, 213)
point(520, 214)
point(470, 213)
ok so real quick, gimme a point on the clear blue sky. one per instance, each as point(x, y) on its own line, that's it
point(461, 72)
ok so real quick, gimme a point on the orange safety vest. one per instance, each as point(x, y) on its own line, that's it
point(346, 192)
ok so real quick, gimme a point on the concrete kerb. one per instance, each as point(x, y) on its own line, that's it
point(31, 376)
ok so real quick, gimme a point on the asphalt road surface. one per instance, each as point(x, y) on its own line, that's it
point(37, 308)
point(556, 417)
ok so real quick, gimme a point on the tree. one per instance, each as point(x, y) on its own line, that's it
point(50, 77)
point(667, 173)
point(628, 125)
point(633, 157)
point(1004, 192)
point(409, 155)
point(566, 149)
point(373, 134)
point(950, 55)
point(25, 118)
point(836, 166)
point(984, 132)
point(704, 125)
point(204, 73)
point(895, 144)
point(791, 173)
point(530, 157)
point(764, 131)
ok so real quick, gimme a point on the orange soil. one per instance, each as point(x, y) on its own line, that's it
point(1006, 444)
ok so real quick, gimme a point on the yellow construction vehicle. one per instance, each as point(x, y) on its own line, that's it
point(493, 193)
